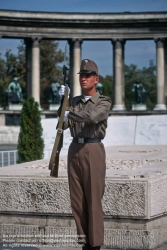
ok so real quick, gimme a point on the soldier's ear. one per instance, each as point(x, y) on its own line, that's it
point(97, 79)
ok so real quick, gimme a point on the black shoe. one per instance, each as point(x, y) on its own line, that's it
point(94, 248)
point(86, 247)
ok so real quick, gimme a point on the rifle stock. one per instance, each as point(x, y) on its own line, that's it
point(54, 170)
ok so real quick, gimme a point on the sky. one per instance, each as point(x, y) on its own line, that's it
point(136, 52)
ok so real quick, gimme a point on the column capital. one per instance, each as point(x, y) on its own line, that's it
point(159, 41)
point(118, 41)
point(75, 41)
point(36, 40)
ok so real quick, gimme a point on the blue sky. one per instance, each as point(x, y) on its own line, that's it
point(136, 52)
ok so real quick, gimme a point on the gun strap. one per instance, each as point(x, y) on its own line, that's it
point(56, 147)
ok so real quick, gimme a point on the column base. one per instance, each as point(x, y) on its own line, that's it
point(118, 107)
point(160, 107)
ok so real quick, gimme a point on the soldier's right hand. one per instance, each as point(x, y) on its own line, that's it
point(62, 90)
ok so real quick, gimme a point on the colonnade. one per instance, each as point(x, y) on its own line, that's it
point(33, 70)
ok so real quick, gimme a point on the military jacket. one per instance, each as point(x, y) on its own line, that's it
point(88, 118)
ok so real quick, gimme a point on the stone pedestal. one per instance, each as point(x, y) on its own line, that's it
point(136, 107)
point(15, 106)
point(54, 107)
point(35, 208)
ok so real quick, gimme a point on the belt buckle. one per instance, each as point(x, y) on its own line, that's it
point(80, 140)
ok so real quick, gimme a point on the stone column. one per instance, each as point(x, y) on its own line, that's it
point(118, 73)
point(123, 74)
point(36, 69)
point(160, 74)
point(28, 43)
point(165, 53)
point(75, 60)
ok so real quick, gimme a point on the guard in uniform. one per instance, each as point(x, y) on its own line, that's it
point(87, 120)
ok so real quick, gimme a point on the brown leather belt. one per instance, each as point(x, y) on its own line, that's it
point(85, 140)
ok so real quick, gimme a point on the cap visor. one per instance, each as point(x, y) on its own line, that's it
point(87, 72)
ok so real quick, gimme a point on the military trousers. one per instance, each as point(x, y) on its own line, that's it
point(86, 175)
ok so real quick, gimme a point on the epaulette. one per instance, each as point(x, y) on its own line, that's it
point(106, 97)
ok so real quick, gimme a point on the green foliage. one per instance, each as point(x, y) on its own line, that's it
point(107, 85)
point(30, 142)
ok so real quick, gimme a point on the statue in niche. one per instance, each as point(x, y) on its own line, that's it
point(14, 92)
point(54, 97)
point(140, 92)
point(99, 88)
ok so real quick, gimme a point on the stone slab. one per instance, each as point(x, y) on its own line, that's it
point(130, 175)
point(9, 135)
point(151, 130)
point(121, 130)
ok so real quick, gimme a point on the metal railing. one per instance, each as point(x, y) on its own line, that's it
point(8, 158)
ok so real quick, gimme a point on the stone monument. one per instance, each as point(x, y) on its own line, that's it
point(54, 98)
point(140, 96)
point(14, 95)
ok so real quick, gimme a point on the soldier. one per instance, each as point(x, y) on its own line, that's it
point(87, 120)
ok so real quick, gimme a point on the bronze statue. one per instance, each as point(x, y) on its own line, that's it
point(99, 88)
point(54, 93)
point(14, 92)
point(140, 92)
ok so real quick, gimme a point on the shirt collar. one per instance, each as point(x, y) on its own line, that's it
point(93, 98)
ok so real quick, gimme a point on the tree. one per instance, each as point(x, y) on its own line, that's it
point(107, 82)
point(30, 142)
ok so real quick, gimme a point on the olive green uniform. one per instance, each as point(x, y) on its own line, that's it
point(86, 166)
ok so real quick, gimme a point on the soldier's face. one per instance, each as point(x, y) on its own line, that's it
point(88, 81)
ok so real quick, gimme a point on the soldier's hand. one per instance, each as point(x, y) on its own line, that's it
point(62, 91)
point(65, 116)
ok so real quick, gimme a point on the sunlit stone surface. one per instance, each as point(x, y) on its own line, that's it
point(35, 208)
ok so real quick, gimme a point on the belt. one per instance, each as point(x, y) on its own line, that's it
point(85, 140)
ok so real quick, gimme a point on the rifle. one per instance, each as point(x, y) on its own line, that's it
point(58, 144)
